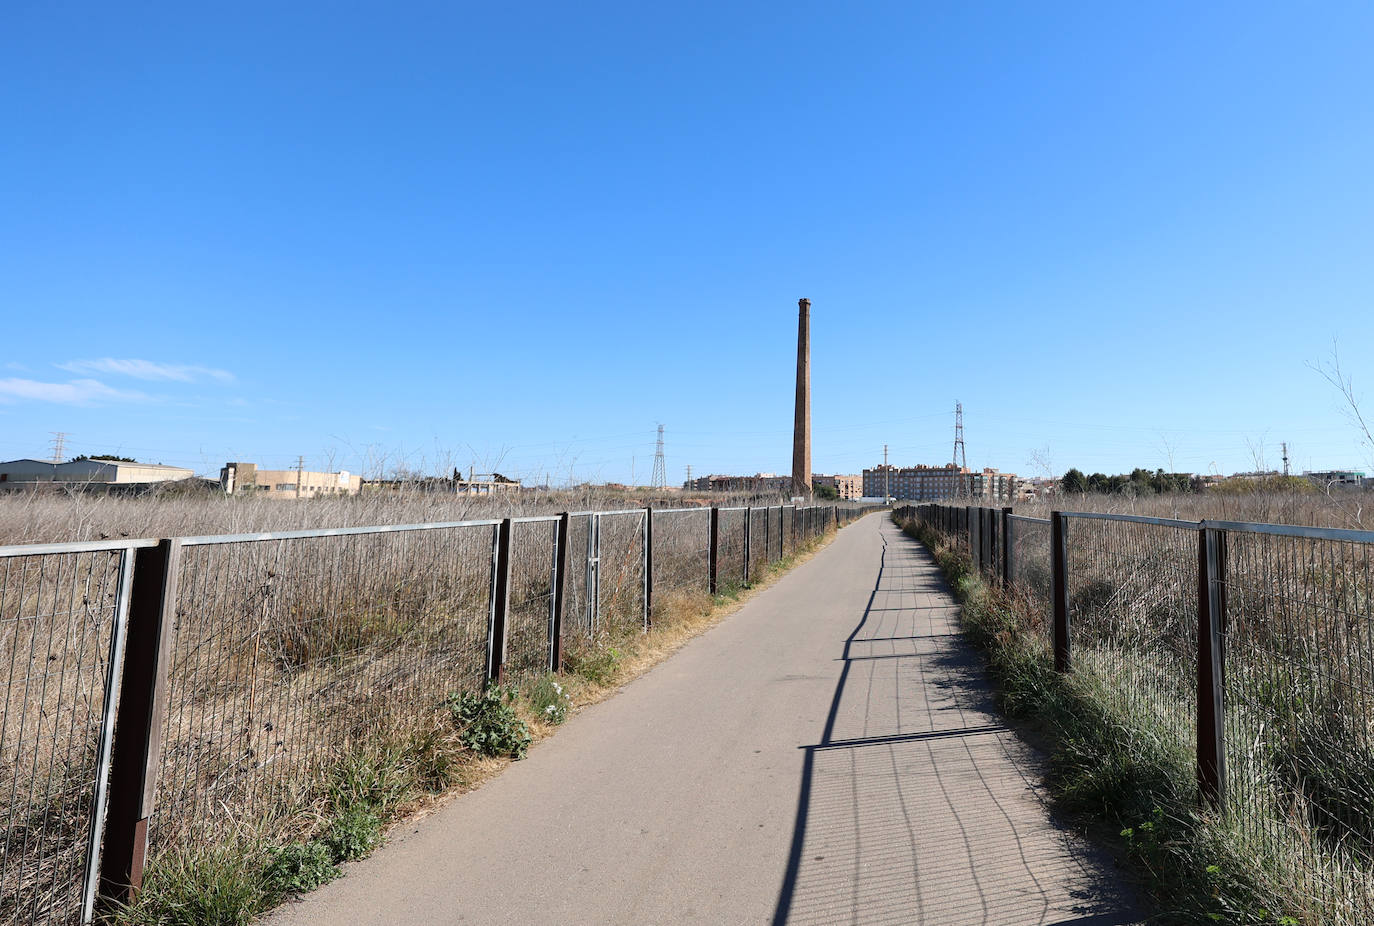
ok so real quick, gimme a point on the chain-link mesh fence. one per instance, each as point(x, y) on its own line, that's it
point(730, 550)
point(286, 651)
point(60, 616)
point(529, 624)
point(682, 550)
point(1133, 605)
point(1299, 715)
point(1029, 574)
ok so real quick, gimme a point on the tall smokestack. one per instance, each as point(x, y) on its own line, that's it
point(801, 429)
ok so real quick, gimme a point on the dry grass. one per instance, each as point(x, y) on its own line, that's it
point(47, 517)
point(1309, 507)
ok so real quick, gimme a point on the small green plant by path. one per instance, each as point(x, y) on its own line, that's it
point(298, 867)
point(549, 700)
point(490, 726)
point(354, 835)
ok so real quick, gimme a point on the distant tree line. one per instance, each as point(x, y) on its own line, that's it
point(103, 456)
point(1137, 482)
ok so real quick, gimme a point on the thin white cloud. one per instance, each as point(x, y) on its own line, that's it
point(75, 392)
point(148, 369)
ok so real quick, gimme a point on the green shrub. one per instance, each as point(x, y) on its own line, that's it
point(549, 701)
point(489, 724)
point(353, 835)
point(298, 867)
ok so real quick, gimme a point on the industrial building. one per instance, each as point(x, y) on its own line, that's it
point(20, 473)
point(473, 484)
point(1345, 478)
point(246, 478)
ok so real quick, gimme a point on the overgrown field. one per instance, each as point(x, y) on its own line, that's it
point(1292, 503)
point(57, 517)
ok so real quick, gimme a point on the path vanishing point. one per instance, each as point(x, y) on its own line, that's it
point(828, 754)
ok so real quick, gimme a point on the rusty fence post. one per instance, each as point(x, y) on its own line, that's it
point(748, 535)
point(560, 583)
point(137, 752)
point(1059, 590)
point(1211, 666)
point(1007, 573)
point(500, 606)
point(712, 549)
point(648, 566)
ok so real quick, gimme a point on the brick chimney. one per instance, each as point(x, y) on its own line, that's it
point(801, 430)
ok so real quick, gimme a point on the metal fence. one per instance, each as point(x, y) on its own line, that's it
point(165, 693)
point(63, 619)
point(1244, 650)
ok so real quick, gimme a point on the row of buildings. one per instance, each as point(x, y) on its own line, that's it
point(101, 473)
point(847, 487)
point(248, 478)
point(930, 483)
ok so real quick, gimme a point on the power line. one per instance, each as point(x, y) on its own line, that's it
point(59, 445)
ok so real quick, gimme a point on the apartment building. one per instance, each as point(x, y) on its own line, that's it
point(931, 483)
point(848, 487)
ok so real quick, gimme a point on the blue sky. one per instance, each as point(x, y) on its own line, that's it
point(433, 235)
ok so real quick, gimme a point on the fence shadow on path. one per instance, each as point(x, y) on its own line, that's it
point(917, 804)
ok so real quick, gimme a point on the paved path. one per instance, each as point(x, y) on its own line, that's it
point(826, 755)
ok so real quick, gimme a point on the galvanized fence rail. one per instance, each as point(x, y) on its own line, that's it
point(163, 693)
point(1244, 650)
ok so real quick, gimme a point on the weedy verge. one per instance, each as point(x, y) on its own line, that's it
point(1122, 782)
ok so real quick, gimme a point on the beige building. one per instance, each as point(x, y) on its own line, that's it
point(929, 483)
point(246, 478)
point(848, 487)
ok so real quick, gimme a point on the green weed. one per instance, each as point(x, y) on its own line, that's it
point(298, 867)
point(353, 835)
point(489, 723)
point(549, 700)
